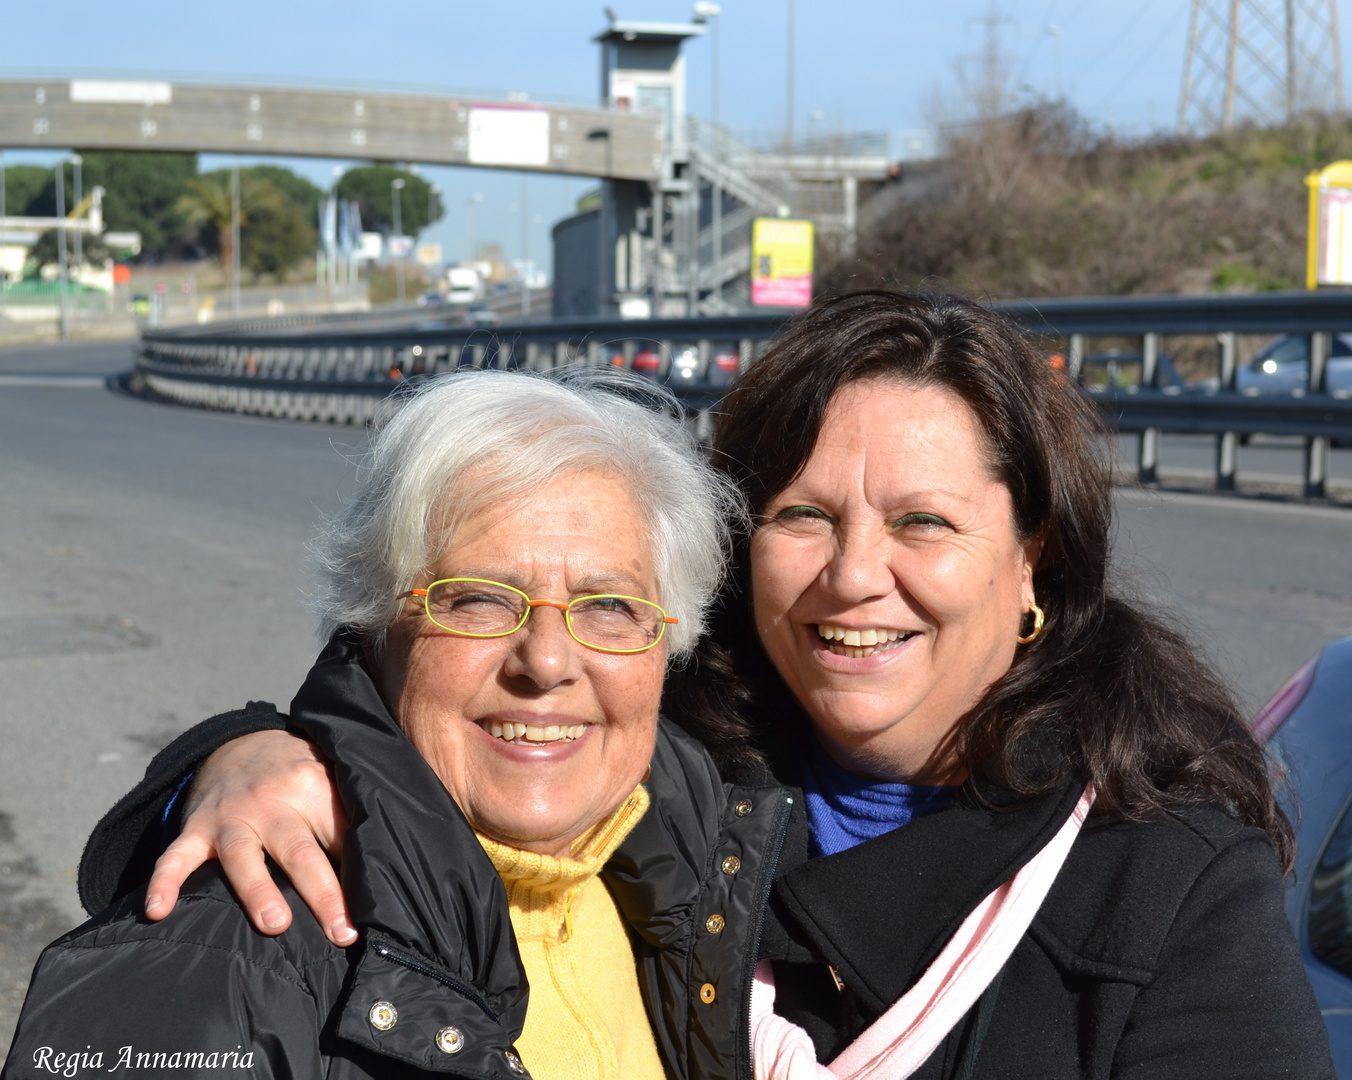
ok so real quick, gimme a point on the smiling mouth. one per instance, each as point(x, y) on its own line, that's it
point(861, 643)
point(510, 732)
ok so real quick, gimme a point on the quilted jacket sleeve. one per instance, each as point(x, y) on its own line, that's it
point(122, 849)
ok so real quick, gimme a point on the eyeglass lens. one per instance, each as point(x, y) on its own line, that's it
point(487, 609)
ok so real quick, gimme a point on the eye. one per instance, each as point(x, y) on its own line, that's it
point(802, 513)
point(932, 521)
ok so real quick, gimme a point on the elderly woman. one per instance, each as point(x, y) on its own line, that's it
point(521, 561)
point(976, 813)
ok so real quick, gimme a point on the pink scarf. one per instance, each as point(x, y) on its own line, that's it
point(900, 1040)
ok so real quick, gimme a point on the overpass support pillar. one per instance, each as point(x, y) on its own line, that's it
point(1317, 446)
point(1148, 464)
point(1227, 444)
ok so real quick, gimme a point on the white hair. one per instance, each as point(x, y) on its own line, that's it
point(461, 442)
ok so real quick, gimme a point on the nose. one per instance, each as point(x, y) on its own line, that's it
point(544, 653)
point(858, 569)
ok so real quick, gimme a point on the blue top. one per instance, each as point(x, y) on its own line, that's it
point(844, 809)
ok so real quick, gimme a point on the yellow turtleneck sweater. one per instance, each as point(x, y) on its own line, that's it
point(586, 1019)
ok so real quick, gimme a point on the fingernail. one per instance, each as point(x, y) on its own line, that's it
point(274, 916)
point(154, 901)
point(341, 932)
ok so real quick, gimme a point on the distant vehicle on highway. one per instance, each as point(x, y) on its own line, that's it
point(481, 315)
point(1283, 365)
point(430, 298)
point(1307, 727)
point(463, 285)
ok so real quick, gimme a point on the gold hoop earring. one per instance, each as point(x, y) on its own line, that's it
point(1038, 619)
point(647, 775)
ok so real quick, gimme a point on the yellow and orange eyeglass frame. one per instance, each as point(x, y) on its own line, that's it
point(531, 605)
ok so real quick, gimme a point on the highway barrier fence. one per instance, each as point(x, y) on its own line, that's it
point(339, 368)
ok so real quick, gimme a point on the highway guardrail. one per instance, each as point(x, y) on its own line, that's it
point(339, 368)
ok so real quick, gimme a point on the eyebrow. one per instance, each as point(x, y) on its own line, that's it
point(584, 586)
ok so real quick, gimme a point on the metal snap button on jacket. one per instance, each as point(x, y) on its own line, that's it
point(714, 923)
point(742, 808)
point(731, 864)
point(707, 993)
point(450, 1040)
point(383, 1015)
point(514, 1063)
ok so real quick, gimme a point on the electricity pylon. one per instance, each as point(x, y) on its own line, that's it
point(1267, 61)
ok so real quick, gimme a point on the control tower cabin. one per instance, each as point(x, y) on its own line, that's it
point(623, 255)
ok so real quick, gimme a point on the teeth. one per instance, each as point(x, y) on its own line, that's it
point(859, 643)
point(514, 732)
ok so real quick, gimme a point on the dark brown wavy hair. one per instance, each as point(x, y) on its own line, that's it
point(1107, 692)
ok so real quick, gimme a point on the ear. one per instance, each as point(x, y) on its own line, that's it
point(1032, 556)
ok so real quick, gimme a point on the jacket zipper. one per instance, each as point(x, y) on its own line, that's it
point(762, 903)
point(450, 981)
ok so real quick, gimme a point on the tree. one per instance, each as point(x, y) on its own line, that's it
point(279, 236)
point(370, 186)
point(141, 193)
point(274, 231)
point(23, 185)
point(45, 251)
point(296, 188)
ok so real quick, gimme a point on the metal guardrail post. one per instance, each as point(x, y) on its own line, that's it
point(1148, 465)
point(1317, 446)
point(1075, 361)
point(1227, 444)
point(745, 353)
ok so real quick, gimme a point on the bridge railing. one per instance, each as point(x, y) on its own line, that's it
point(339, 367)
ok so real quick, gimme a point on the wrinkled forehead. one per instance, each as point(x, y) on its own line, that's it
point(588, 522)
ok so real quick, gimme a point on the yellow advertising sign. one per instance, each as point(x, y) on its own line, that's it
point(1329, 249)
point(781, 262)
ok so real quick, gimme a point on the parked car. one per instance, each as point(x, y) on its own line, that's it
point(1307, 727)
point(1283, 365)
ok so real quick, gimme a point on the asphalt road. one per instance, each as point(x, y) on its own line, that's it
point(153, 574)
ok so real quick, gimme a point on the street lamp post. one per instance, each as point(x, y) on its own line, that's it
point(4, 277)
point(78, 161)
point(525, 246)
point(470, 203)
point(61, 245)
point(396, 200)
point(234, 241)
point(705, 11)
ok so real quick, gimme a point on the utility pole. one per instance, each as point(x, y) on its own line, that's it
point(1055, 32)
point(396, 200)
point(61, 245)
point(1268, 61)
point(705, 11)
point(234, 240)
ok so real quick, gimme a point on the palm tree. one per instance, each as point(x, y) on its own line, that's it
point(208, 202)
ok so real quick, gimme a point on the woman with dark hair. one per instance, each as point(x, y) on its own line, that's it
point(976, 813)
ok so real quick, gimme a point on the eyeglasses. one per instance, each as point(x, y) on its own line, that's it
point(476, 607)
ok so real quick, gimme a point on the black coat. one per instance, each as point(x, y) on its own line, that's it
point(1162, 950)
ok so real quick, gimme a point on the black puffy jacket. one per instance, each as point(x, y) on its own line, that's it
point(1162, 950)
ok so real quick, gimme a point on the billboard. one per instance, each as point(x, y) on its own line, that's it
point(1329, 256)
point(781, 262)
point(508, 135)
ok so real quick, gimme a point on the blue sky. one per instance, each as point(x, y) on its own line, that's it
point(860, 64)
